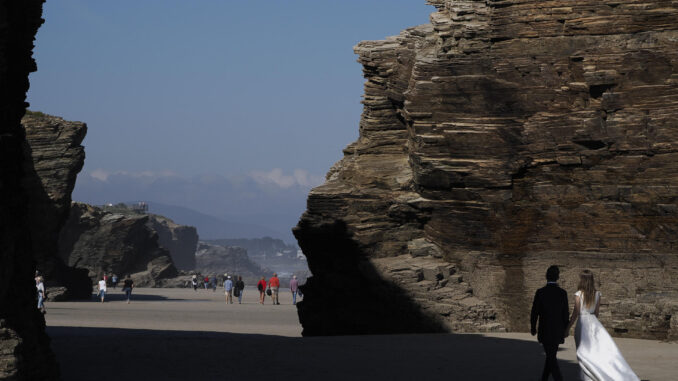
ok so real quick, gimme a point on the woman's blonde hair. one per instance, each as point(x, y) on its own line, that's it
point(587, 287)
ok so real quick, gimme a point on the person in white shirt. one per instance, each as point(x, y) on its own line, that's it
point(41, 293)
point(102, 289)
point(228, 290)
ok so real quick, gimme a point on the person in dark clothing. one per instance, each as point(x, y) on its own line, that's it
point(550, 309)
point(127, 287)
point(240, 288)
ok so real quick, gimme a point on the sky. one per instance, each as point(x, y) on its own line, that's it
point(231, 108)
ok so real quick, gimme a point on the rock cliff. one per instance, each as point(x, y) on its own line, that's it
point(501, 138)
point(24, 346)
point(54, 145)
point(180, 240)
point(114, 243)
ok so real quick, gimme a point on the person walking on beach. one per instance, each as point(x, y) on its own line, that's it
point(240, 288)
point(550, 309)
point(194, 281)
point(114, 280)
point(294, 287)
point(261, 286)
point(214, 283)
point(127, 287)
point(40, 286)
point(206, 281)
point(598, 356)
point(102, 288)
point(228, 290)
point(274, 285)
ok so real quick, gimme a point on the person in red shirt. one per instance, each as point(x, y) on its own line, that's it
point(274, 285)
point(261, 286)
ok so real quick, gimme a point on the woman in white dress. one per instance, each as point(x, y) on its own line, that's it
point(598, 355)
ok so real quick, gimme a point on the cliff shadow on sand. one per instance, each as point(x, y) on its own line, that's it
point(249, 357)
point(345, 277)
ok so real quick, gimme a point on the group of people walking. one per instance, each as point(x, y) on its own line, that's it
point(598, 356)
point(236, 289)
point(272, 289)
point(127, 287)
point(208, 283)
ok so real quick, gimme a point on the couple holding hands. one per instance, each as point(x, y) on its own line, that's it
point(598, 355)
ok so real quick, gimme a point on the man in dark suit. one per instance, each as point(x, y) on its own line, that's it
point(550, 307)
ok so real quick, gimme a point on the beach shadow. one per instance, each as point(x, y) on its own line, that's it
point(117, 296)
point(132, 354)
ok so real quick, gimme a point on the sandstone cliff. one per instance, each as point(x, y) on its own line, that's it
point(24, 346)
point(54, 145)
point(501, 138)
point(103, 242)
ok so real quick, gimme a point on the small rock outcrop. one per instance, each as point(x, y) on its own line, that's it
point(180, 240)
point(24, 347)
point(219, 260)
point(114, 243)
point(501, 138)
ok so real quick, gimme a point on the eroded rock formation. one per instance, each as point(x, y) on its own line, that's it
point(501, 138)
point(180, 240)
point(24, 346)
point(231, 260)
point(114, 243)
point(54, 145)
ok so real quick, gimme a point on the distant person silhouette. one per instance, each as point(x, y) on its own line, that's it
point(294, 288)
point(240, 287)
point(194, 281)
point(550, 309)
point(261, 286)
point(127, 287)
point(114, 281)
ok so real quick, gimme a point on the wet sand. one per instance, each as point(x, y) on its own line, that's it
point(179, 334)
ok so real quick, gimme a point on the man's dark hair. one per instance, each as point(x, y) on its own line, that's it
point(553, 273)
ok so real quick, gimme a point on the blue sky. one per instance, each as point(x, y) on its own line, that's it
point(268, 90)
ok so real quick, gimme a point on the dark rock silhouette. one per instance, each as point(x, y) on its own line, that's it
point(24, 347)
point(499, 139)
point(114, 243)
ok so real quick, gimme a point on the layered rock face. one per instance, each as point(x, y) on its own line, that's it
point(502, 138)
point(180, 240)
point(24, 346)
point(114, 243)
point(54, 145)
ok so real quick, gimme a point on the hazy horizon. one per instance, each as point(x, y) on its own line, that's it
point(227, 108)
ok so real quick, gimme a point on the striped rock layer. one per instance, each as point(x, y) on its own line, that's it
point(501, 138)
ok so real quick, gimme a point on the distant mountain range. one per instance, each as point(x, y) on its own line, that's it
point(211, 227)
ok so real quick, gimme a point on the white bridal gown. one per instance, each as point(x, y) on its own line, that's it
point(598, 355)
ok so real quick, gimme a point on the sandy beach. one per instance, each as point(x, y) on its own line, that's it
point(179, 334)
